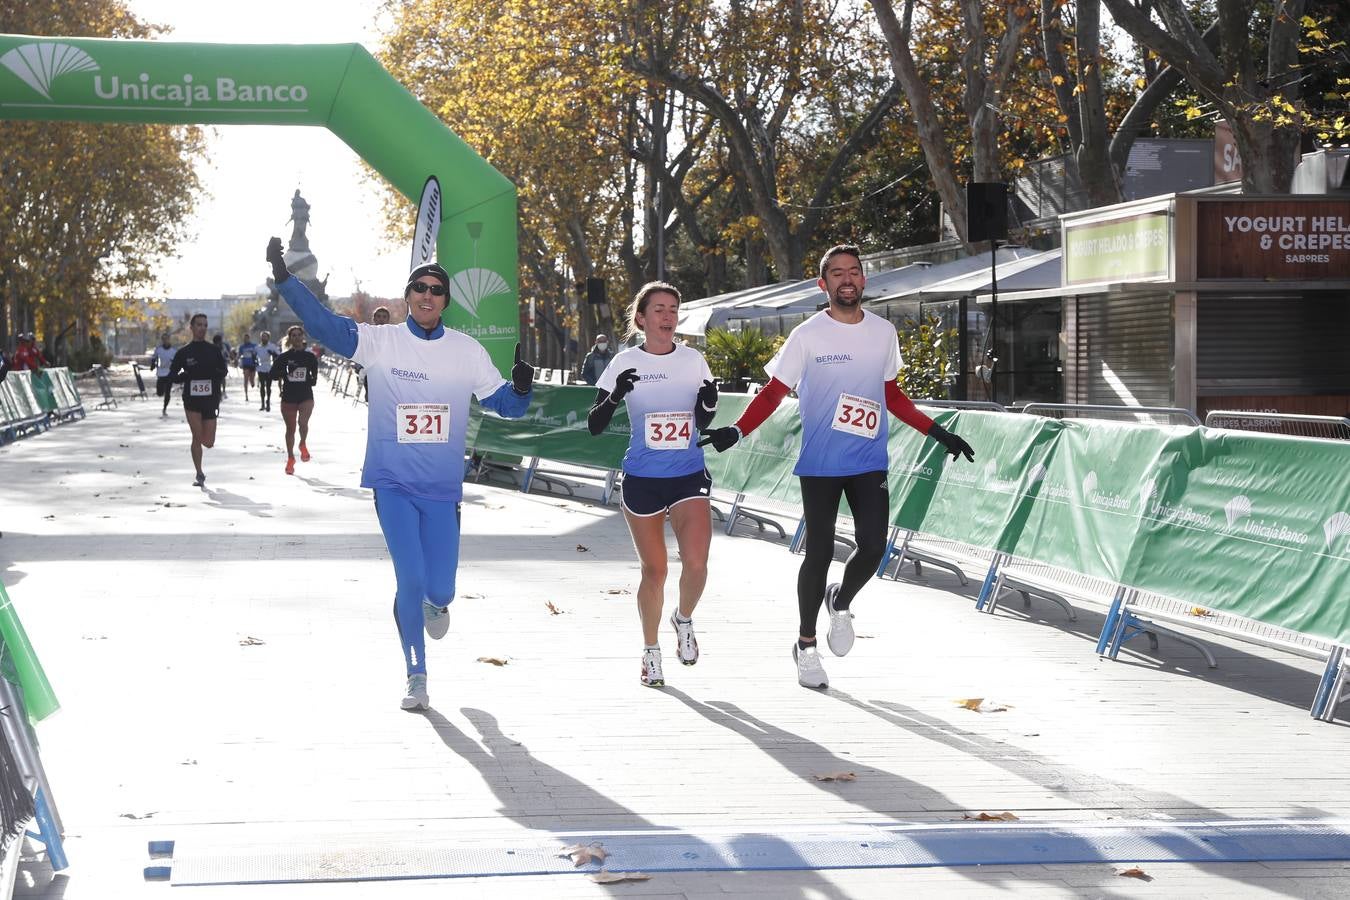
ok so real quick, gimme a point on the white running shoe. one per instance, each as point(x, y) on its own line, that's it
point(810, 673)
point(651, 668)
point(840, 637)
point(416, 695)
point(436, 619)
point(686, 645)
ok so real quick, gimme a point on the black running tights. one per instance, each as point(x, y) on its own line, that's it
point(869, 501)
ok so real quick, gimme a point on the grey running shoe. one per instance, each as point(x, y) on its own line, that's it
point(810, 673)
point(686, 645)
point(436, 619)
point(651, 669)
point(416, 695)
point(840, 637)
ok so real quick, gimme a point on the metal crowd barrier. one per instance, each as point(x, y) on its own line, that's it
point(1140, 415)
point(1335, 428)
point(20, 412)
point(105, 388)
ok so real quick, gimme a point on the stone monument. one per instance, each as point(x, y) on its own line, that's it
point(276, 316)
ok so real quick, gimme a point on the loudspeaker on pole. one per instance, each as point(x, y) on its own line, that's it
point(986, 211)
point(595, 290)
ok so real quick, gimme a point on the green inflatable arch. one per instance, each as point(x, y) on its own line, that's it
point(338, 86)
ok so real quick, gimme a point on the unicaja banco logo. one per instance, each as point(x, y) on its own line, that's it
point(38, 65)
point(1336, 527)
point(1089, 484)
point(1237, 509)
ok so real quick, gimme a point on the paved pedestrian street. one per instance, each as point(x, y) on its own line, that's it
point(230, 679)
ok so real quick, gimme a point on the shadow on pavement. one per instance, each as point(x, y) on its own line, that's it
point(496, 756)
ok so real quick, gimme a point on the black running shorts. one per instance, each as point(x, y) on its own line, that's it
point(654, 496)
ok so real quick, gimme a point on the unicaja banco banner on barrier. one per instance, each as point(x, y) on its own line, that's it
point(337, 86)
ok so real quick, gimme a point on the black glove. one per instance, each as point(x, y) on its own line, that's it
point(522, 374)
point(279, 271)
point(955, 446)
point(722, 439)
point(707, 396)
point(623, 385)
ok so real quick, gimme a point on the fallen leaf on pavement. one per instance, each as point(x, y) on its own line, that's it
point(977, 704)
point(836, 776)
point(615, 877)
point(617, 591)
point(492, 660)
point(134, 816)
point(251, 641)
point(583, 854)
point(553, 609)
point(1200, 611)
point(988, 817)
point(582, 548)
point(1136, 872)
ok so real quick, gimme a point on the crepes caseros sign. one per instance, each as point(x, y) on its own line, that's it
point(337, 86)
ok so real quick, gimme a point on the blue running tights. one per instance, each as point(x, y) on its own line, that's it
point(423, 540)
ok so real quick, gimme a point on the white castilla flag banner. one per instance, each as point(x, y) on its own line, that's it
point(428, 224)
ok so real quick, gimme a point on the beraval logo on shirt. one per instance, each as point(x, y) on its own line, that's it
point(833, 359)
point(408, 375)
point(654, 376)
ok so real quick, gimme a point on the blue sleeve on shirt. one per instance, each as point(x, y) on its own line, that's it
point(506, 403)
point(337, 333)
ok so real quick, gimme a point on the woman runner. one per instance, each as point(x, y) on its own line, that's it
point(670, 395)
point(298, 372)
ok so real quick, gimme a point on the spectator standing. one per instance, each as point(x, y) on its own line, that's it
point(594, 364)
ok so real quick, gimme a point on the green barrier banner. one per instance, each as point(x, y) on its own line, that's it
point(759, 465)
point(986, 504)
point(17, 650)
point(338, 86)
point(42, 390)
point(1257, 525)
point(1086, 511)
point(21, 393)
point(554, 427)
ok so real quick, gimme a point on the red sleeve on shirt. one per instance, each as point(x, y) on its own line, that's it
point(904, 409)
point(760, 408)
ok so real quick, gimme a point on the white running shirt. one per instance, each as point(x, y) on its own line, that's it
point(840, 372)
point(419, 407)
point(664, 441)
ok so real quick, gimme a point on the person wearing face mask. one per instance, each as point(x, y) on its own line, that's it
point(843, 363)
point(421, 377)
point(593, 366)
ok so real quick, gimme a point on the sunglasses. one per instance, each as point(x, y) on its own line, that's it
point(437, 290)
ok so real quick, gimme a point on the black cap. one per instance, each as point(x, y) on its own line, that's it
point(432, 269)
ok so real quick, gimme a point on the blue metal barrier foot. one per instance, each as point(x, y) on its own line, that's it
point(47, 832)
point(989, 579)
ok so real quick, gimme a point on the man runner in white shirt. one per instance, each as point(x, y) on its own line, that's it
point(843, 363)
point(162, 359)
point(421, 376)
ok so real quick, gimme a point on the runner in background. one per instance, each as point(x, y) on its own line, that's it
point(224, 350)
point(843, 363)
point(670, 395)
point(297, 371)
point(248, 361)
point(422, 378)
point(267, 352)
point(200, 368)
point(161, 358)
